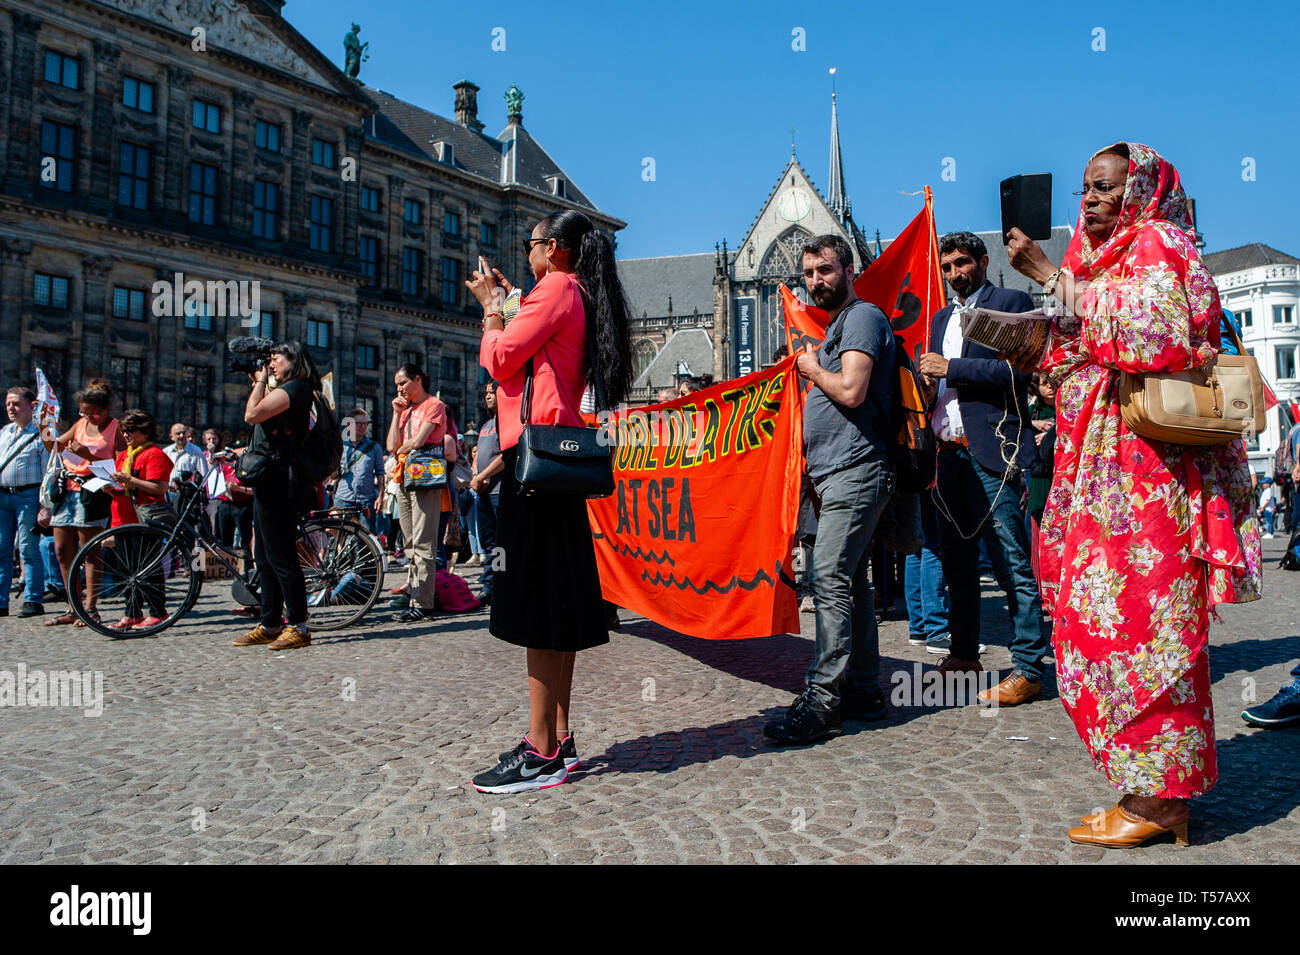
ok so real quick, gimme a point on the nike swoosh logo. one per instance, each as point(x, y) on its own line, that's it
point(523, 771)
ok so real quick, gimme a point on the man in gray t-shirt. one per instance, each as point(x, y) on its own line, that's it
point(846, 418)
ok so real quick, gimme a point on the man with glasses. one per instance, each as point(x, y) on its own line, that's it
point(23, 458)
point(361, 470)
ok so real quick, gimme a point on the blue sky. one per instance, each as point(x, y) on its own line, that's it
point(711, 91)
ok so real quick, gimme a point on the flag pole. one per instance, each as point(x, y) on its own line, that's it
point(937, 275)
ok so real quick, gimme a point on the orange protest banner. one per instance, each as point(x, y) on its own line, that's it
point(905, 283)
point(699, 533)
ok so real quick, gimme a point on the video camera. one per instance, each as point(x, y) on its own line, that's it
point(249, 353)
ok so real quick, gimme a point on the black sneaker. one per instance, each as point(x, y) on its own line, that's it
point(521, 770)
point(916, 639)
point(485, 598)
point(31, 609)
point(1282, 710)
point(868, 709)
point(413, 615)
point(942, 646)
point(806, 721)
point(569, 752)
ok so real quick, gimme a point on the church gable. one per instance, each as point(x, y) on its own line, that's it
point(794, 212)
point(244, 29)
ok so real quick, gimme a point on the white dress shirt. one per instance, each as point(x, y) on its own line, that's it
point(189, 459)
point(947, 413)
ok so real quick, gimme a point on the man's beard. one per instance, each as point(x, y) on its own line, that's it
point(828, 298)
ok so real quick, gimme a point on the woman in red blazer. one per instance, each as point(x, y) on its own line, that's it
point(547, 596)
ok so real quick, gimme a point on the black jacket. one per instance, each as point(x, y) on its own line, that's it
point(987, 388)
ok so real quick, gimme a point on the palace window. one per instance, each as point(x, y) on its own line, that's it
point(62, 70)
point(322, 218)
point(266, 201)
point(59, 143)
point(203, 193)
point(50, 291)
point(128, 380)
point(322, 153)
point(450, 281)
point(133, 176)
point(318, 333)
point(411, 271)
point(137, 94)
point(368, 249)
point(128, 303)
point(206, 116)
point(268, 136)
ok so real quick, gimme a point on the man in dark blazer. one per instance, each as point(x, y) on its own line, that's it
point(986, 442)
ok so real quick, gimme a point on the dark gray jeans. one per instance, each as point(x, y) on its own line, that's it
point(846, 660)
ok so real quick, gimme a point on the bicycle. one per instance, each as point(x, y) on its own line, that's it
point(159, 567)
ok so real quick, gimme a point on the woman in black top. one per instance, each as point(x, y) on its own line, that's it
point(281, 417)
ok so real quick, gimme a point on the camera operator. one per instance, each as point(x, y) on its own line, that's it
point(281, 417)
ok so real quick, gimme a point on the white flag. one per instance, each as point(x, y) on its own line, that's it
point(47, 402)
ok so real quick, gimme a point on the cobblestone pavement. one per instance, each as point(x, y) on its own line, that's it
point(207, 753)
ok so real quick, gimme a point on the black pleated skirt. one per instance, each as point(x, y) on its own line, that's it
point(547, 596)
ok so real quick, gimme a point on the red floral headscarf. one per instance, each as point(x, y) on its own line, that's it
point(1152, 193)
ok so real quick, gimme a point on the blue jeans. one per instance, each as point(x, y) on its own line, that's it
point(846, 656)
point(53, 572)
point(469, 516)
point(969, 492)
point(924, 585)
point(18, 517)
point(485, 518)
point(1269, 515)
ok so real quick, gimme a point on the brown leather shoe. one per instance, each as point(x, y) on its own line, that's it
point(1014, 690)
point(292, 637)
point(951, 664)
point(1116, 829)
point(258, 634)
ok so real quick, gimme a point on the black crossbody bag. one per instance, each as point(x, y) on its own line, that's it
point(565, 459)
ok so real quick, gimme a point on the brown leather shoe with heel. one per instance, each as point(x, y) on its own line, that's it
point(1116, 829)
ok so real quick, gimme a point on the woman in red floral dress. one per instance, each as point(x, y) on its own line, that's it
point(1141, 539)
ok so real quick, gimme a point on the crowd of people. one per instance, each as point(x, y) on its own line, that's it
point(1098, 537)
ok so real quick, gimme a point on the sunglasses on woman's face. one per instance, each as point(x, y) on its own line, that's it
point(528, 245)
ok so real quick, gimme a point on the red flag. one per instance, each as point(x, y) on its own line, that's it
point(905, 283)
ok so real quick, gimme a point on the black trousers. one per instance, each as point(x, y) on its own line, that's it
point(231, 516)
point(275, 549)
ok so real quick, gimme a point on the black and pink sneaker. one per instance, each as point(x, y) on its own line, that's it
point(521, 770)
point(569, 751)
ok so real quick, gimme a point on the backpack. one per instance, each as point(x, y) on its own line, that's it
point(915, 452)
point(320, 452)
point(1284, 457)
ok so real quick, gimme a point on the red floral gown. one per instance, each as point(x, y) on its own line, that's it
point(1141, 539)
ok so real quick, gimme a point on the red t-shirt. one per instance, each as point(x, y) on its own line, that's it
point(151, 464)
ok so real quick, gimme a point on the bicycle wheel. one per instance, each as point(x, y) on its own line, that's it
point(344, 571)
point(140, 571)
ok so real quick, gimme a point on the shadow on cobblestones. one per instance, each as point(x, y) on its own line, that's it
point(1258, 770)
point(1251, 655)
point(444, 624)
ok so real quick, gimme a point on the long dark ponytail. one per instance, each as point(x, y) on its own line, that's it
point(608, 315)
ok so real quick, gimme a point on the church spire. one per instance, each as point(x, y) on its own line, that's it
point(838, 201)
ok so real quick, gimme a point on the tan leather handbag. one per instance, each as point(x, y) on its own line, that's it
point(1215, 404)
